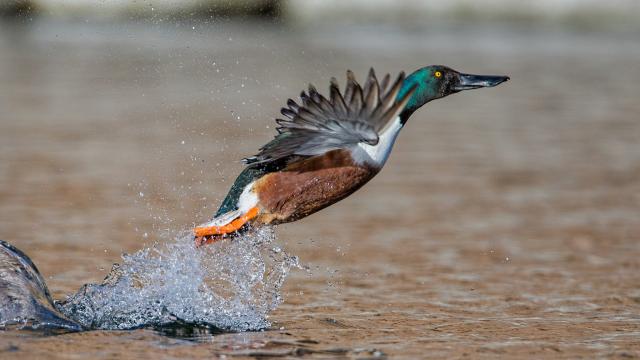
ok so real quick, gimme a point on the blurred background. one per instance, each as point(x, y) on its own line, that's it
point(505, 222)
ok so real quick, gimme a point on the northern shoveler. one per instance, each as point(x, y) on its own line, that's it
point(326, 149)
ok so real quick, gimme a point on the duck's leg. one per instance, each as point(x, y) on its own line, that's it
point(210, 234)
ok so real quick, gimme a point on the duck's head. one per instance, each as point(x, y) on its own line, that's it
point(437, 81)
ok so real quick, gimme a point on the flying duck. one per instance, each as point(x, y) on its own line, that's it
point(327, 148)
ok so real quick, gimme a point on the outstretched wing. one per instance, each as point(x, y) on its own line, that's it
point(320, 125)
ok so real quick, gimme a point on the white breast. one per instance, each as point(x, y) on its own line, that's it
point(378, 154)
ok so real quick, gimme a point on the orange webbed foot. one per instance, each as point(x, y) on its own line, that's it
point(209, 234)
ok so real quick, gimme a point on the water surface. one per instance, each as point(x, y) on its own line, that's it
point(504, 224)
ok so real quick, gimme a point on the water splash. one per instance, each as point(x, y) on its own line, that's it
point(231, 285)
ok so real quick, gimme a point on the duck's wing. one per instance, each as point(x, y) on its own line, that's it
point(320, 125)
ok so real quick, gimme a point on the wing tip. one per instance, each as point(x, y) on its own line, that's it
point(351, 76)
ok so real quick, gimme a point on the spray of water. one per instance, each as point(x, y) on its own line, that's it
point(232, 285)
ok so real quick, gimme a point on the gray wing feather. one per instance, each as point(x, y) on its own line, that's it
point(318, 124)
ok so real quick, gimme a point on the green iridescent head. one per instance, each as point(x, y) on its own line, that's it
point(437, 81)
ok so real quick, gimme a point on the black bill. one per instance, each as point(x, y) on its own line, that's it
point(469, 81)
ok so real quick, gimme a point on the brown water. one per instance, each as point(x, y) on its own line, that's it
point(506, 222)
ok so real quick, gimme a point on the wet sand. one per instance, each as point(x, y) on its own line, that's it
point(506, 222)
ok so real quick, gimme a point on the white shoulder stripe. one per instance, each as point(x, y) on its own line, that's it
point(378, 154)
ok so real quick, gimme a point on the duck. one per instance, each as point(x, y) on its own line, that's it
point(326, 148)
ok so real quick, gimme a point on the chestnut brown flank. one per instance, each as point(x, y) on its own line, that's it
point(309, 185)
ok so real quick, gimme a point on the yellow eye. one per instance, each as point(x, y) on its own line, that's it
point(437, 74)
